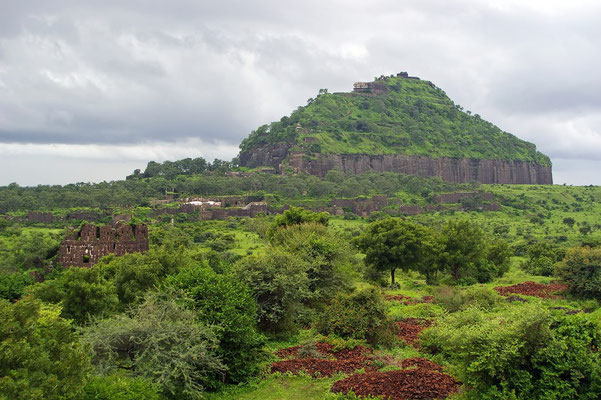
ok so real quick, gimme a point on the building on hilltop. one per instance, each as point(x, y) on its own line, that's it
point(85, 247)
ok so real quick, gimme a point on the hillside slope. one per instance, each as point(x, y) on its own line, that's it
point(399, 124)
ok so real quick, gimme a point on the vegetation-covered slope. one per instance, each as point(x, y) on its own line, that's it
point(400, 116)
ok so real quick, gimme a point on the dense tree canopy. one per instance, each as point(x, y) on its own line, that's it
point(390, 244)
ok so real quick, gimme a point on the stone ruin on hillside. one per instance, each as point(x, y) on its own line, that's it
point(86, 247)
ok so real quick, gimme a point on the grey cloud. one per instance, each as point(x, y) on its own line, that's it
point(142, 71)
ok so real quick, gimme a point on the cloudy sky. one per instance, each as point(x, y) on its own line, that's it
point(91, 90)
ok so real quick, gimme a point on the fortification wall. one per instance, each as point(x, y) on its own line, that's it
point(85, 247)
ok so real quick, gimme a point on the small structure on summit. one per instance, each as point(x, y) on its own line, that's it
point(86, 247)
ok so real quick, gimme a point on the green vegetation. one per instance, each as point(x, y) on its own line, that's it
point(521, 351)
point(413, 117)
point(362, 315)
point(40, 356)
point(235, 291)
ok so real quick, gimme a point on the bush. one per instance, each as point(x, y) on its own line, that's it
point(280, 283)
point(82, 292)
point(581, 271)
point(13, 285)
point(226, 304)
point(455, 299)
point(115, 387)
point(542, 257)
point(160, 341)
point(329, 257)
point(362, 315)
point(523, 352)
point(40, 357)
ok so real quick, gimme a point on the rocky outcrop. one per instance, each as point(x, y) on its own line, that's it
point(449, 169)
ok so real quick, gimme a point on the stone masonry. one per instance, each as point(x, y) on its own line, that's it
point(86, 247)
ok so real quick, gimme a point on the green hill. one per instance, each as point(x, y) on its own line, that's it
point(392, 115)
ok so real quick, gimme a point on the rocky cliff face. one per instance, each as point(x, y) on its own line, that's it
point(449, 169)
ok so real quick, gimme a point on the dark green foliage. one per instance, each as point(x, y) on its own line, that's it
point(296, 216)
point(13, 285)
point(280, 283)
point(111, 285)
point(542, 257)
point(226, 304)
point(330, 260)
point(160, 341)
point(25, 251)
point(523, 353)
point(40, 358)
point(581, 270)
point(414, 117)
point(469, 256)
point(393, 243)
point(362, 315)
point(134, 274)
point(115, 387)
point(82, 292)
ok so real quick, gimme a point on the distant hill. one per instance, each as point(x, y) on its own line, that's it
point(400, 124)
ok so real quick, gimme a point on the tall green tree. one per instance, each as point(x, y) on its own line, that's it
point(40, 357)
point(468, 255)
point(393, 243)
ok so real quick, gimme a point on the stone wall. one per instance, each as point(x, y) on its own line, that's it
point(360, 206)
point(457, 197)
point(85, 247)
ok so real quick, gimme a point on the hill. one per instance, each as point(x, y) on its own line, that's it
point(398, 124)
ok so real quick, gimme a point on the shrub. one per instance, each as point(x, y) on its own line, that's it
point(581, 271)
point(542, 257)
point(280, 284)
point(225, 303)
point(160, 341)
point(40, 357)
point(362, 315)
point(455, 299)
point(522, 352)
point(115, 387)
point(82, 293)
point(13, 285)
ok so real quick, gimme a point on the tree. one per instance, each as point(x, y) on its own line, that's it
point(296, 216)
point(40, 357)
point(280, 283)
point(569, 221)
point(392, 243)
point(160, 341)
point(82, 292)
point(468, 256)
point(226, 304)
point(581, 270)
point(330, 259)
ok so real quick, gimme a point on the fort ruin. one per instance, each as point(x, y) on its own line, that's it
point(85, 247)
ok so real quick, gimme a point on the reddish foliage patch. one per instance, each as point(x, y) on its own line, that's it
point(418, 383)
point(544, 291)
point(410, 328)
point(320, 367)
point(347, 361)
point(327, 350)
point(406, 300)
point(420, 362)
